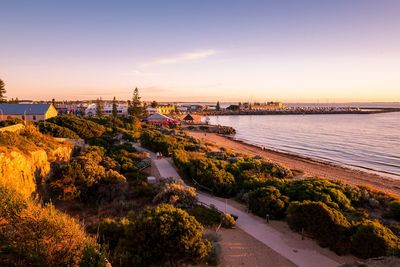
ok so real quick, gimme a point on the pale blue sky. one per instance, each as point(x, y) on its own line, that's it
point(228, 50)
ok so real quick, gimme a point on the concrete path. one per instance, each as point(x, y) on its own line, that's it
point(255, 227)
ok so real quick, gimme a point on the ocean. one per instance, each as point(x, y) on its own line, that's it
point(369, 142)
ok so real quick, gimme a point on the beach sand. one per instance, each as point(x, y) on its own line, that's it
point(309, 167)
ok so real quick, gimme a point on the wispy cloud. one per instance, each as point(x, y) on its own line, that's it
point(190, 56)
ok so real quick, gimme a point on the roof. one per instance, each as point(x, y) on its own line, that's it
point(188, 117)
point(158, 116)
point(21, 109)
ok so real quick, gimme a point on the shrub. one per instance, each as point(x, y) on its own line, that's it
point(228, 221)
point(10, 122)
point(56, 131)
point(268, 200)
point(177, 194)
point(32, 235)
point(109, 232)
point(317, 190)
point(394, 210)
point(223, 183)
point(325, 224)
point(372, 239)
point(205, 216)
point(83, 176)
point(86, 129)
point(214, 257)
point(166, 234)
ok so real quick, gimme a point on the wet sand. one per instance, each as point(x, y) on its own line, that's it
point(309, 167)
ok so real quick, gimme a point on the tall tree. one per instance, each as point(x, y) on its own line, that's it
point(114, 108)
point(3, 91)
point(99, 107)
point(218, 107)
point(136, 109)
point(154, 104)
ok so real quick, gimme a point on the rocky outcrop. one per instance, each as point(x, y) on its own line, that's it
point(25, 172)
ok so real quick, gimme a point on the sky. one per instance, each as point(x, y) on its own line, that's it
point(208, 50)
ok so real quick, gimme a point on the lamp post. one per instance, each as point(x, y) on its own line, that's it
point(25, 115)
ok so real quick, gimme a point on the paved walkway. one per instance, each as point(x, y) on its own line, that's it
point(255, 227)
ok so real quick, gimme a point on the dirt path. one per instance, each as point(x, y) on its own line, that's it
point(308, 166)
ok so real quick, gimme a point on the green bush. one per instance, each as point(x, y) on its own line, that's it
point(332, 194)
point(32, 235)
point(56, 131)
point(86, 129)
point(205, 216)
point(214, 257)
point(325, 224)
point(177, 194)
point(372, 239)
point(268, 200)
point(109, 232)
point(228, 221)
point(84, 176)
point(166, 234)
point(394, 210)
point(10, 122)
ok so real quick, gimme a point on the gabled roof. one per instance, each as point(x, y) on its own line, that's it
point(21, 109)
point(188, 117)
point(158, 116)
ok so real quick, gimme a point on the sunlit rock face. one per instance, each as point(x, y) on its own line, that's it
point(25, 172)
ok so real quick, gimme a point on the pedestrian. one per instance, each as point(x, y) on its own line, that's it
point(161, 155)
point(158, 155)
point(267, 217)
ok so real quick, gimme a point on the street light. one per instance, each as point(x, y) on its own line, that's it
point(25, 114)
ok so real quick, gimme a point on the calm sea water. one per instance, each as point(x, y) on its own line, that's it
point(370, 142)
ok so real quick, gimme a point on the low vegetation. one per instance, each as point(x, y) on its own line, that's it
point(85, 129)
point(347, 219)
point(32, 235)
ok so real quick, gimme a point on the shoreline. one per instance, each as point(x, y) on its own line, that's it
point(310, 167)
point(382, 174)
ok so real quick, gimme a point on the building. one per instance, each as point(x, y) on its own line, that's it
point(162, 109)
point(29, 112)
point(196, 108)
point(160, 119)
point(91, 110)
point(192, 119)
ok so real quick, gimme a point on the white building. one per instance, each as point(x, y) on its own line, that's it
point(122, 110)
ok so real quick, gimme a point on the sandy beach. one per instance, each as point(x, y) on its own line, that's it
point(309, 167)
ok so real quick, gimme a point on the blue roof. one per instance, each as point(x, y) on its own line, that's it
point(20, 109)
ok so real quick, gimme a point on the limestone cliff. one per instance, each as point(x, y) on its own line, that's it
point(24, 171)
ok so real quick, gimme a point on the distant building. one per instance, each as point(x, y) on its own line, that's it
point(91, 110)
point(264, 106)
point(196, 108)
point(29, 112)
point(162, 109)
point(233, 107)
point(160, 119)
point(182, 109)
point(192, 119)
